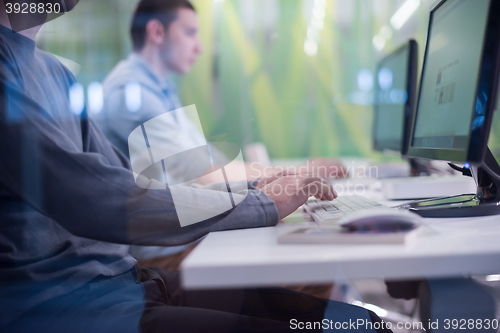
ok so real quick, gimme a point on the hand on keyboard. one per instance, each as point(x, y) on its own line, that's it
point(290, 192)
point(324, 212)
point(271, 178)
point(327, 168)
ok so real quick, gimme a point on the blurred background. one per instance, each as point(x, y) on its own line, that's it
point(297, 75)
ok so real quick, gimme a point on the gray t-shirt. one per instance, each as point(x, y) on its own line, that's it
point(67, 197)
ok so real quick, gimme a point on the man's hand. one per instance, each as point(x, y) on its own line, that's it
point(326, 168)
point(290, 192)
point(271, 178)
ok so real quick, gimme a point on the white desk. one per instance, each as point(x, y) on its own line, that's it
point(246, 258)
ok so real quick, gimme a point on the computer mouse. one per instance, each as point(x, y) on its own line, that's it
point(380, 220)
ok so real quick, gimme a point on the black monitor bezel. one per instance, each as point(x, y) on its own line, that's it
point(488, 73)
point(411, 86)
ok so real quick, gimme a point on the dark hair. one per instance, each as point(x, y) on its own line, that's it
point(163, 10)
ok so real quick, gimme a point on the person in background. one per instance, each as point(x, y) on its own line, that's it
point(165, 42)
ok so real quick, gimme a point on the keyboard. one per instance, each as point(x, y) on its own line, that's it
point(330, 212)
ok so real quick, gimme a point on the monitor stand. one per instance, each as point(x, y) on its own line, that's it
point(485, 202)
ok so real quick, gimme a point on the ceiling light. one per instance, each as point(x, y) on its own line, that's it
point(404, 13)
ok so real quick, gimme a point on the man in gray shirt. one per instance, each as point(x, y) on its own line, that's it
point(69, 203)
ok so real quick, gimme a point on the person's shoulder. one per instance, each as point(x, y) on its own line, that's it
point(120, 73)
point(127, 71)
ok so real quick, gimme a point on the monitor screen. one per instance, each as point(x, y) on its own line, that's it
point(450, 78)
point(395, 85)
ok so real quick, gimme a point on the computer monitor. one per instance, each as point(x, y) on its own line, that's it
point(395, 94)
point(457, 97)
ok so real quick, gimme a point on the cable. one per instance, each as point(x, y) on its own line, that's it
point(464, 171)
